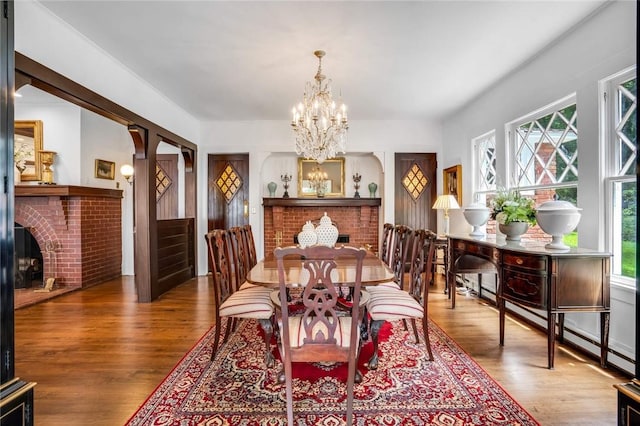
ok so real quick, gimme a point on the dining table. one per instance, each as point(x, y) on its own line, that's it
point(374, 271)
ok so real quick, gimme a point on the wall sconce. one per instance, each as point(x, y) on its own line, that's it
point(127, 172)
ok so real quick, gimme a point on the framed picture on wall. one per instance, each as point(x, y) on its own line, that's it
point(26, 149)
point(334, 170)
point(452, 182)
point(105, 169)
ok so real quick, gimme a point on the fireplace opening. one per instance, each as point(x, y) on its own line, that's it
point(28, 271)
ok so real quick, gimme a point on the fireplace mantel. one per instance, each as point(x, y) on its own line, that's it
point(321, 202)
point(65, 191)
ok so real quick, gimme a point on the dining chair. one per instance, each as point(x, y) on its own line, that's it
point(387, 238)
point(392, 304)
point(231, 302)
point(398, 252)
point(321, 328)
point(251, 245)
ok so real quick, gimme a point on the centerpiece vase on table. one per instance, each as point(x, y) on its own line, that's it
point(327, 232)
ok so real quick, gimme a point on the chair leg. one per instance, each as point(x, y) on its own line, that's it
point(267, 327)
point(415, 330)
point(374, 330)
point(216, 340)
point(425, 331)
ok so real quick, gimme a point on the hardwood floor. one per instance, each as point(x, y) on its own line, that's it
point(97, 354)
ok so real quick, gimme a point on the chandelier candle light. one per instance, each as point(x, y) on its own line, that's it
point(319, 125)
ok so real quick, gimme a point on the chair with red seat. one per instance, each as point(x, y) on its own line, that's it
point(319, 328)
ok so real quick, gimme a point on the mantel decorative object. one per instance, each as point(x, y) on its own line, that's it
point(285, 178)
point(46, 158)
point(272, 186)
point(320, 126)
point(373, 187)
point(356, 179)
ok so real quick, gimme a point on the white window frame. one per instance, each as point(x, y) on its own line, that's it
point(512, 149)
point(480, 195)
point(608, 114)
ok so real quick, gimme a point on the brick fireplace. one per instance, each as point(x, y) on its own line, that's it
point(359, 218)
point(78, 230)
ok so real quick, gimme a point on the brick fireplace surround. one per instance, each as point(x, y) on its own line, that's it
point(78, 230)
point(356, 217)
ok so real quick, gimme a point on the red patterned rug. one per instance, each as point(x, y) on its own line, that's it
point(407, 388)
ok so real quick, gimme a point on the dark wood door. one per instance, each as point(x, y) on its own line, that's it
point(415, 190)
point(167, 186)
point(228, 191)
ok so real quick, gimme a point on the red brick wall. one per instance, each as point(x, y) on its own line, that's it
point(361, 223)
point(80, 237)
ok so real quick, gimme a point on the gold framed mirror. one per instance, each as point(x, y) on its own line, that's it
point(27, 144)
point(332, 172)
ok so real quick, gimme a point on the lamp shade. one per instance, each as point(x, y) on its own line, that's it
point(446, 202)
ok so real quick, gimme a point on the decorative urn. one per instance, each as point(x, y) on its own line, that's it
point(557, 218)
point(308, 236)
point(327, 232)
point(477, 215)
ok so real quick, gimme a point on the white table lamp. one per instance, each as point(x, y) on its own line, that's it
point(446, 202)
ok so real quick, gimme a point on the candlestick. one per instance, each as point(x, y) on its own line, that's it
point(356, 179)
point(285, 178)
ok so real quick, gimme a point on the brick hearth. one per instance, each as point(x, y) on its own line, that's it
point(78, 230)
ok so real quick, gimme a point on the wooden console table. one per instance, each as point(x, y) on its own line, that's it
point(576, 280)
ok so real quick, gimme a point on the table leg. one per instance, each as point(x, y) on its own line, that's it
point(501, 309)
point(604, 338)
point(561, 327)
point(452, 288)
point(551, 338)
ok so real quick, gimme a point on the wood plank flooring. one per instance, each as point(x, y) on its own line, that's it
point(97, 354)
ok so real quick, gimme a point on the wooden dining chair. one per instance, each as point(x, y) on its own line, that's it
point(251, 245)
point(320, 329)
point(231, 302)
point(392, 304)
point(387, 238)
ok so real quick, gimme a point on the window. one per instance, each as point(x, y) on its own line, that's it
point(620, 138)
point(484, 150)
point(484, 170)
point(544, 155)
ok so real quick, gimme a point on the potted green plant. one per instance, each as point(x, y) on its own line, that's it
point(513, 212)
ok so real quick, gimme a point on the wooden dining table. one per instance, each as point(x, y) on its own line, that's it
point(374, 271)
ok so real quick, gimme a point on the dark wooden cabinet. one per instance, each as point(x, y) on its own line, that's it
point(629, 403)
point(529, 275)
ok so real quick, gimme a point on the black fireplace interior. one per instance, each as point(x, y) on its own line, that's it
point(28, 258)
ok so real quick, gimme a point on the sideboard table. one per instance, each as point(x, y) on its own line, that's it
point(529, 275)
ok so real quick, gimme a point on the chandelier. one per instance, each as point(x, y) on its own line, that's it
point(320, 127)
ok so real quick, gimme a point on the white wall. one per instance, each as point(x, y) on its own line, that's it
point(600, 47)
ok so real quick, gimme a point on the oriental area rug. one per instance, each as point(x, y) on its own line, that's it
point(406, 389)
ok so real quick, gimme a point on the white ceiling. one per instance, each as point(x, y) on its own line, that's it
point(238, 60)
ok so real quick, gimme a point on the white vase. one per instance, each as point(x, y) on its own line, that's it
point(308, 236)
point(327, 233)
point(514, 230)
